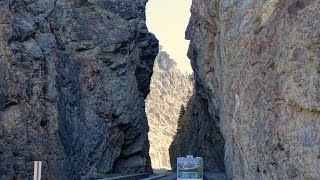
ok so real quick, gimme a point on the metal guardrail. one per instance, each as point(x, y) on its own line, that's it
point(154, 177)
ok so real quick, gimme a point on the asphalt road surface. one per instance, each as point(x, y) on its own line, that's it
point(207, 176)
point(169, 176)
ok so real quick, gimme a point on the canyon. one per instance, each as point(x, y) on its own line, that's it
point(169, 91)
point(74, 76)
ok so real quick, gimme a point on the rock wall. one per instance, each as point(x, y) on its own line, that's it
point(199, 136)
point(169, 90)
point(73, 78)
point(257, 64)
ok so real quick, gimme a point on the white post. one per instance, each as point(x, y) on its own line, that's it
point(37, 170)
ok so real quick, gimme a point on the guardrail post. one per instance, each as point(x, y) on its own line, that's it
point(37, 170)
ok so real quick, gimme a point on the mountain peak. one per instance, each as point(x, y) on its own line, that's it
point(165, 62)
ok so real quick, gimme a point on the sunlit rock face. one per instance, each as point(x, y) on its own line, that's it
point(73, 78)
point(169, 90)
point(257, 64)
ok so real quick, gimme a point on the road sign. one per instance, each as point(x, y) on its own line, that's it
point(189, 168)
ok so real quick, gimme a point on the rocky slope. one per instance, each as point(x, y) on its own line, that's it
point(257, 65)
point(73, 78)
point(169, 90)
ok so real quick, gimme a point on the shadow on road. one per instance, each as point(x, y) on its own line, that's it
point(207, 176)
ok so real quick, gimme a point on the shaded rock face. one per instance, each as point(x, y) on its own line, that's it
point(257, 64)
point(199, 136)
point(169, 90)
point(73, 78)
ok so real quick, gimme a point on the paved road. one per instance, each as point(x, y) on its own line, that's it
point(169, 176)
point(207, 176)
point(214, 176)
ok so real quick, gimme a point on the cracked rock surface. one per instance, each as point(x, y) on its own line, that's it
point(73, 78)
point(257, 65)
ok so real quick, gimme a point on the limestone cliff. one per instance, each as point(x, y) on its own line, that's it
point(257, 65)
point(169, 90)
point(73, 78)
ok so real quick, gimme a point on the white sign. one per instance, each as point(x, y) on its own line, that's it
point(37, 170)
point(189, 168)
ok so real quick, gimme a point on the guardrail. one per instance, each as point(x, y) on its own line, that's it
point(155, 176)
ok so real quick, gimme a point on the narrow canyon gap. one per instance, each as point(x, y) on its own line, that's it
point(74, 75)
point(171, 85)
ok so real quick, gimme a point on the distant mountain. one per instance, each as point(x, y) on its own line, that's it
point(169, 90)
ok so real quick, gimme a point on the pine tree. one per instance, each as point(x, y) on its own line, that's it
point(191, 77)
point(181, 114)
